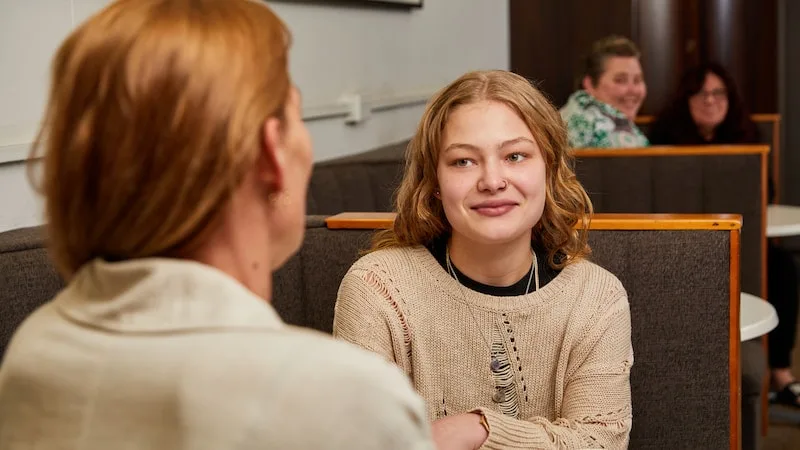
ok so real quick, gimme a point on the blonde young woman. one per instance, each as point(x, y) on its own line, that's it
point(175, 171)
point(481, 292)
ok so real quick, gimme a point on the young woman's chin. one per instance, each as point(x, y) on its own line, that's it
point(497, 234)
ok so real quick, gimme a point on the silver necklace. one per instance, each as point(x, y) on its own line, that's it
point(494, 364)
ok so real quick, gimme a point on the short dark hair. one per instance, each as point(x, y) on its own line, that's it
point(594, 63)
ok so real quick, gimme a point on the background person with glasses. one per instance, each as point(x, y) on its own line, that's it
point(708, 110)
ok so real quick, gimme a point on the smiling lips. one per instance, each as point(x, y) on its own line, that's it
point(494, 208)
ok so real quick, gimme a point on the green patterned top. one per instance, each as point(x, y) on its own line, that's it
point(592, 123)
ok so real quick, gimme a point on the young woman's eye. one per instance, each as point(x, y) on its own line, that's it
point(517, 157)
point(462, 162)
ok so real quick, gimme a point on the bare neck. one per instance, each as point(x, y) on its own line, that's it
point(492, 264)
point(236, 261)
point(240, 247)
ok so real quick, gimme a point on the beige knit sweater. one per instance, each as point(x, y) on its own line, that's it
point(564, 352)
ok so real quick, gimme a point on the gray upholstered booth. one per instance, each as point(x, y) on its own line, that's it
point(688, 180)
point(681, 278)
point(691, 180)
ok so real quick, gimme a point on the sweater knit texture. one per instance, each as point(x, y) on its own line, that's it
point(564, 353)
point(157, 354)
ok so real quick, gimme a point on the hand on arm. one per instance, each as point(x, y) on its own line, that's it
point(460, 432)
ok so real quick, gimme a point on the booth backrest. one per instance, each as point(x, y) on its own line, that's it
point(681, 275)
point(692, 180)
point(769, 133)
point(361, 182)
point(686, 180)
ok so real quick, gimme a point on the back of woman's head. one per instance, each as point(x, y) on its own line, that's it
point(593, 64)
point(736, 127)
point(154, 117)
point(420, 215)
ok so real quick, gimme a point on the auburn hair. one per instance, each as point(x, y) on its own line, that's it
point(155, 114)
point(562, 230)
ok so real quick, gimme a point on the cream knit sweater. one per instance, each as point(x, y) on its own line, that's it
point(162, 354)
point(564, 352)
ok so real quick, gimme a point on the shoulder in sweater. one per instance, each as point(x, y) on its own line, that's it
point(414, 266)
point(336, 395)
point(607, 296)
point(300, 365)
point(285, 387)
point(400, 259)
point(606, 282)
point(390, 268)
point(391, 260)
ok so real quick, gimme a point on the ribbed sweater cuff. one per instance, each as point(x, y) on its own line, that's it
point(506, 433)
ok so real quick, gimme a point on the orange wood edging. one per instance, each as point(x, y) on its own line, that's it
point(644, 120)
point(670, 150)
point(383, 220)
point(734, 346)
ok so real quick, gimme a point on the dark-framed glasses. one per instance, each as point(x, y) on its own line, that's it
point(718, 94)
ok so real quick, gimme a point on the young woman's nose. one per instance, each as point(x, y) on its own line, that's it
point(493, 178)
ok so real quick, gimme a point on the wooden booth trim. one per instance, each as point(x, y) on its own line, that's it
point(384, 220)
point(672, 150)
point(361, 220)
point(734, 345)
point(764, 202)
point(666, 222)
point(776, 118)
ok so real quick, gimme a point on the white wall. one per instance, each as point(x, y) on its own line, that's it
point(380, 53)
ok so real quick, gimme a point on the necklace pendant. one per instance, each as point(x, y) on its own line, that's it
point(495, 364)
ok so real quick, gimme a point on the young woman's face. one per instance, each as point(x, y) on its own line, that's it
point(491, 174)
point(621, 85)
point(709, 106)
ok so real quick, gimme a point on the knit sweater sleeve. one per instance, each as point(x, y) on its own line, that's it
point(596, 408)
point(369, 313)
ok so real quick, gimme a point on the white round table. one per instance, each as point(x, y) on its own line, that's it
point(757, 317)
point(783, 220)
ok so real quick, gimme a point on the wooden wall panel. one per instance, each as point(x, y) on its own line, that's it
point(549, 37)
point(667, 41)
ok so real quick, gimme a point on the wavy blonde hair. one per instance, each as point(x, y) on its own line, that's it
point(562, 230)
point(155, 115)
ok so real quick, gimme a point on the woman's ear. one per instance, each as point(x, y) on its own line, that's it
point(272, 156)
point(587, 84)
